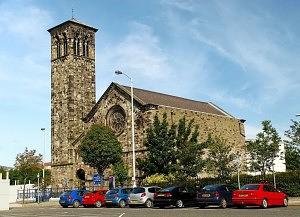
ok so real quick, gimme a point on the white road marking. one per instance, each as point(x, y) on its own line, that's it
point(122, 214)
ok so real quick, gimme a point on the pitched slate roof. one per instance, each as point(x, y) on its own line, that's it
point(155, 98)
point(73, 20)
point(146, 97)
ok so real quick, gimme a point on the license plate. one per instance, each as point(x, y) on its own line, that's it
point(243, 195)
point(133, 201)
point(161, 195)
point(205, 195)
point(108, 201)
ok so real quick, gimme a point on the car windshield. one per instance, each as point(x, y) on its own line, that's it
point(113, 191)
point(250, 187)
point(211, 188)
point(169, 189)
point(65, 193)
point(138, 190)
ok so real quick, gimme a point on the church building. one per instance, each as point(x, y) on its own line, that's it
point(74, 107)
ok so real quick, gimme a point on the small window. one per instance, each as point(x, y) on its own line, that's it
point(250, 187)
point(65, 45)
point(151, 190)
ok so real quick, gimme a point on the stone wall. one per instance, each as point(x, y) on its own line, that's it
point(72, 93)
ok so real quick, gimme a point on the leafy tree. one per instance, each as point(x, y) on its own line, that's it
point(172, 149)
point(28, 164)
point(292, 146)
point(161, 143)
point(120, 171)
point(100, 148)
point(220, 157)
point(188, 150)
point(264, 148)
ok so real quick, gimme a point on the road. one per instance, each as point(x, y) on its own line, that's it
point(292, 211)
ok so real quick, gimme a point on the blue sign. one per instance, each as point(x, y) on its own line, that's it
point(97, 179)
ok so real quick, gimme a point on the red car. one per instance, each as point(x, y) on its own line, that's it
point(263, 195)
point(95, 198)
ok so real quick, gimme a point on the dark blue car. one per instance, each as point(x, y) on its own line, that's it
point(117, 197)
point(71, 198)
point(220, 194)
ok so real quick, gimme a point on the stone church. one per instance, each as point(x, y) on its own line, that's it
point(74, 108)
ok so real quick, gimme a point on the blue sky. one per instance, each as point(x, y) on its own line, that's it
point(241, 55)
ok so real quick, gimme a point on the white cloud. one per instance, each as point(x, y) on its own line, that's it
point(260, 44)
point(138, 53)
point(251, 131)
point(23, 21)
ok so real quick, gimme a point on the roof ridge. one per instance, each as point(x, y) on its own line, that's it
point(150, 91)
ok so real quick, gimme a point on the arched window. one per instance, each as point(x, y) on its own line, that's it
point(78, 47)
point(58, 49)
point(84, 48)
point(65, 45)
point(87, 49)
point(75, 42)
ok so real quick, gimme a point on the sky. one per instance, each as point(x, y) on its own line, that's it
point(243, 56)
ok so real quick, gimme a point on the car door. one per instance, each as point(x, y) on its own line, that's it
point(230, 189)
point(269, 194)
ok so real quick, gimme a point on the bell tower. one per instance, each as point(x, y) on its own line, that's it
point(72, 93)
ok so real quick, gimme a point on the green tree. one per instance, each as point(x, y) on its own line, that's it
point(264, 148)
point(120, 171)
point(100, 148)
point(220, 157)
point(292, 146)
point(28, 164)
point(189, 151)
point(160, 144)
point(172, 149)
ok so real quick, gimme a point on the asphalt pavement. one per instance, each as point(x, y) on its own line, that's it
point(292, 211)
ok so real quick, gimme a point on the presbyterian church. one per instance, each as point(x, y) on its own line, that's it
point(74, 107)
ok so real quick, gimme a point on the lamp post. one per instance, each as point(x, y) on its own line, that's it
point(43, 130)
point(132, 125)
point(298, 115)
point(238, 169)
point(38, 190)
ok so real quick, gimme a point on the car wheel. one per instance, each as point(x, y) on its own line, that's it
point(223, 203)
point(285, 202)
point(264, 204)
point(76, 204)
point(122, 203)
point(179, 204)
point(148, 203)
point(98, 204)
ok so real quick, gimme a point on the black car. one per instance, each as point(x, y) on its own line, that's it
point(220, 194)
point(176, 196)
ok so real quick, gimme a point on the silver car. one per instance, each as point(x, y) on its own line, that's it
point(142, 196)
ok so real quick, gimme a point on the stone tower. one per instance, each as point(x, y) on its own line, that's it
point(72, 94)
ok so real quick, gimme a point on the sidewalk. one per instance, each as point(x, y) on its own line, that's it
point(293, 201)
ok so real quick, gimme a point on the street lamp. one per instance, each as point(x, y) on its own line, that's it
point(132, 125)
point(298, 115)
point(38, 190)
point(43, 130)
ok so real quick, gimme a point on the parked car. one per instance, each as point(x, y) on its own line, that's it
point(176, 196)
point(220, 194)
point(95, 198)
point(117, 197)
point(143, 196)
point(263, 195)
point(71, 198)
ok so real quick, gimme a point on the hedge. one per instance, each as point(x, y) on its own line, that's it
point(288, 182)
